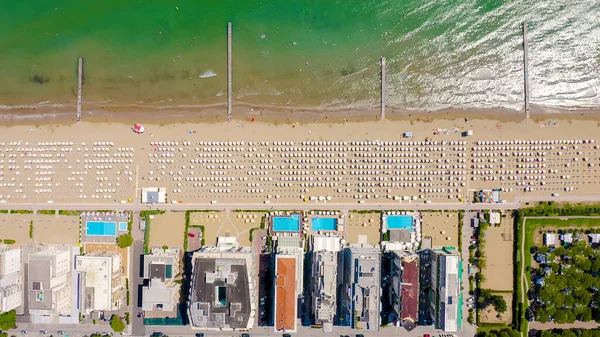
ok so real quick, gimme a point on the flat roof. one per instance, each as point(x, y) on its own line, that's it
point(285, 293)
point(220, 293)
point(449, 299)
point(410, 290)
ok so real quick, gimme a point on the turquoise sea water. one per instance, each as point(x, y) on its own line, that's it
point(300, 52)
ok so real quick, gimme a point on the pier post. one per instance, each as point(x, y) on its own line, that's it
point(229, 77)
point(383, 86)
point(525, 70)
point(79, 87)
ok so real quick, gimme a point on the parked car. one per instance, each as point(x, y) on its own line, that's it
point(191, 235)
point(470, 299)
point(200, 334)
point(24, 332)
point(470, 305)
point(245, 335)
point(60, 332)
point(43, 332)
point(286, 335)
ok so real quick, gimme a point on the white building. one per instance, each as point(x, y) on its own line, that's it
point(160, 269)
point(447, 285)
point(154, 195)
point(102, 288)
point(361, 302)
point(549, 239)
point(324, 276)
point(49, 282)
point(494, 218)
point(11, 282)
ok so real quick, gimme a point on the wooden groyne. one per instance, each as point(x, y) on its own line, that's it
point(525, 70)
point(229, 75)
point(79, 87)
point(383, 86)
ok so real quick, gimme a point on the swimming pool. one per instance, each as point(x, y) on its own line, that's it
point(287, 224)
point(324, 224)
point(101, 228)
point(122, 226)
point(399, 222)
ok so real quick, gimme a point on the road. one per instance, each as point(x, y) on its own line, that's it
point(176, 331)
point(467, 232)
point(253, 206)
point(524, 285)
point(519, 202)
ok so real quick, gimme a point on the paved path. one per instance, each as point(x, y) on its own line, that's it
point(575, 325)
point(524, 285)
point(176, 331)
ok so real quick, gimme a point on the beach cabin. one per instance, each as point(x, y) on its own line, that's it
point(567, 238)
point(549, 239)
point(594, 238)
point(154, 195)
point(494, 218)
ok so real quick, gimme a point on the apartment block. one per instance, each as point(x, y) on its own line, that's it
point(11, 280)
point(222, 290)
point(100, 281)
point(362, 292)
point(49, 282)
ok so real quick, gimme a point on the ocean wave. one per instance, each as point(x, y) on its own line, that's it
point(207, 74)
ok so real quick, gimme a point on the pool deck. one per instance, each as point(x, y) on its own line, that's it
point(116, 217)
point(272, 218)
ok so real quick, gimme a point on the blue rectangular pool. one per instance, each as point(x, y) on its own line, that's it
point(399, 222)
point(286, 224)
point(122, 226)
point(324, 224)
point(101, 228)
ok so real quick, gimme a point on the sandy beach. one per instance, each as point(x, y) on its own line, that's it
point(314, 158)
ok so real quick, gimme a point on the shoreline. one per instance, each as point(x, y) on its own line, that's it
point(41, 114)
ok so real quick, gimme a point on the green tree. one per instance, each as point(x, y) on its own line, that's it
point(117, 324)
point(125, 240)
point(8, 320)
point(499, 304)
point(541, 315)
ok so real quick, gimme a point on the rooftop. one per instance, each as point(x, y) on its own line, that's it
point(325, 283)
point(410, 288)
point(220, 296)
point(365, 263)
point(285, 293)
point(449, 298)
point(158, 294)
